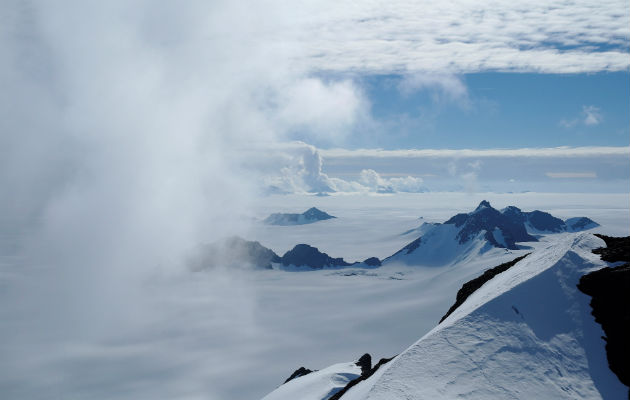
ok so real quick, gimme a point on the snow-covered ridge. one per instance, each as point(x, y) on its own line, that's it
point(527, 333)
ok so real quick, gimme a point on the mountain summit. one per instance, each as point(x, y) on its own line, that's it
point(468, 234)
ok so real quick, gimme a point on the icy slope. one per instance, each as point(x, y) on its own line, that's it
point(527, 333)
point(318, 385)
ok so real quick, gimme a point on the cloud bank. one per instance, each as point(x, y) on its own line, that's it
point(461, 36)
point(301, 168)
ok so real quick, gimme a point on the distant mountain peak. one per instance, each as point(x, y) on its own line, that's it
point(306, 255)
point(483, 204)
point(309, 216)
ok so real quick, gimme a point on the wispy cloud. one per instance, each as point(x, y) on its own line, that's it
point(481, 153)
point(590, 115)
point(571, 175)
point(445, 87)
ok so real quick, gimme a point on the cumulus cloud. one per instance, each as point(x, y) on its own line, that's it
point(326, 109)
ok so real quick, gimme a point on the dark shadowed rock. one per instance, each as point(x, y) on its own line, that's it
point(544, 221)
point(617, 248)
point(297, 373)
point(610, 292)
point(609, 289)
point(471, 286)
point(365, 362)
point(305, 255)
point(372, 262)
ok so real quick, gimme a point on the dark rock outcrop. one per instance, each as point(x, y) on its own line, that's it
point(307, 217)
point(365, 374)
point(609, 289)
point(372, 262)
point(617, 248)
point(365, 362)
point(305, 255)
point(298, 372)
point(471, 286)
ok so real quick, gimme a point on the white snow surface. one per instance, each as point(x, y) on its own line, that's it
point(318, 385)
point(527, 333)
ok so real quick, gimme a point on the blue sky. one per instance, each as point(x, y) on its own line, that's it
point(494, 110)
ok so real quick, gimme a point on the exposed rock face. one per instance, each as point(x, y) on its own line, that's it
point(617, 248)
point(298, 372)
point(610, 292)
point(233, 252)
point(365, 362)
point(303, 254)
point(471, 286)
point(489, 219)
point(308, 217)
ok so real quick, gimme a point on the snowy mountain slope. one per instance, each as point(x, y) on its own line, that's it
point(307, 217)
point(439, 246)
point(318, 385)
point(579, 224)
point(527, 333)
